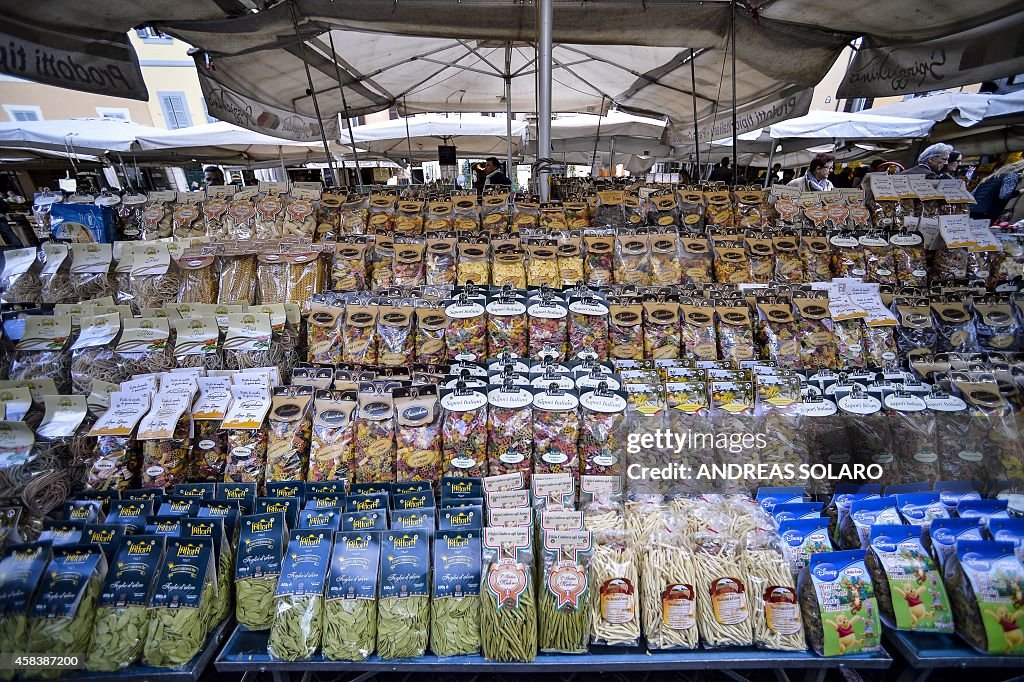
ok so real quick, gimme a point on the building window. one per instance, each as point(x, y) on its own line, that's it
point(23, 112)
point(151, 35)
point(175, 108)
point(1017, 80)
point(393, 113)
point(114, 112)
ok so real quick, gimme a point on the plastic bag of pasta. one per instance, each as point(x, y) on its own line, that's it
point(418, 434)
point(984, 580)
point(92, 353)
point(466, 333)
point(261, 548)
point(912, 430)
point(997, 326)
point(735, 331)
point(350, 611)
point(355, 214)
point(166, 437)
point(55, 274)
point(299, 600)
point(154, 279)
point(19, 277)
point(494, 212)
point(723, 591)
point(157, 216)
point(774, 603)
point(731, 263)
point(614, 577)
point(64, 609)
point(598, 263)
point(122, 616)
point(626, 330)
point(849, 338)
point(779, 331)
point(667, 597)
point(761, 257)
point(993, 430)
point(440, 258)
point(403, 611)
point(299, 214)
point(245, 436)
point(290, 423)
point(508, 610)
point(305, 277)
point(237, 277)
point(838, 605)
point(455, 595)
point(957, 332)
point(395, 338)
point(661, 329)
point(816, 256)
point(375, 449)
point(382, 262)
point(632, 257)
point(915, 334)
point(39, 353)
point(431, 327)
point(908, 586)
point(349, 269)
point(198, 283)
point(21, 570)
point(89, 271)
point(464, 431)
point(563, 608)
point(331, 453)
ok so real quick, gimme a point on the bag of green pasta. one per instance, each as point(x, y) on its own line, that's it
point(299, 599)
point(183, 604)
point(123, 616)
point(403, 612)
point(21, 569)
point(508, 610)
point(350, 612)
point(564, 600)
point(455, 600)
point(61, 620)
point(223, 557)
point(261, 547)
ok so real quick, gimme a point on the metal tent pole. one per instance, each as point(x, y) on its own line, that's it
point(544, 47)
point(348, 119)
point(594, 168)
point(771, 153)
point(611, 158)
point(508, 110)
point(732, 32)
point(312, 91)
point(408, 144)
point(693, 98)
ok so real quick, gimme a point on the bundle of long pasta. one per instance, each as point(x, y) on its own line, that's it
point(774, 603)
point(667, 599)
point(615, 611)
point(644, 515)
point(603, 513)
point(722, 586)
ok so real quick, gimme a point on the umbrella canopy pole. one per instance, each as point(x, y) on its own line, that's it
point(732, 36)
point(508, 109)
point(768, 175)
point(594, 168)
point(546, 11)
point(693, 98)
point(348, 119)
point(408, 143)
point(312, 92)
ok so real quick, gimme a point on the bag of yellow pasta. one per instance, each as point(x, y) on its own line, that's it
point(615, 579)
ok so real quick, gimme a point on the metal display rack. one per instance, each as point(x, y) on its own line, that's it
point(190, 673)
point(926, 652)
point(246, 651)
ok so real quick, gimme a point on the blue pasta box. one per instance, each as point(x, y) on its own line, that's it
point(461, 519)
point(289, 506)
point(422, 500)
point(296, 489)
point(188, 564)
point(21, 569)
point(405, 564)
point(354, 566)
point(306, 563)
point(66, 578)
point(457, 564)
point(367, 502)
point(317, 502)
point(363, 521)
point(413, 519)
point(62, 532)
point(82, 223)
point(245, 493)
point(131, 514)
point(261, 545)
point(133, 573)
point(204, 491)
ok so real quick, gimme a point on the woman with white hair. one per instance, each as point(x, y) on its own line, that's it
point(995, 191)
point(931, 161)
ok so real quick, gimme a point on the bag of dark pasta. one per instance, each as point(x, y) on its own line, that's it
point(246, 439)
point(19, 278)
point(956, 329)
point(92, 353)
point(984, 580)
point(997, 327)
point(40, 352)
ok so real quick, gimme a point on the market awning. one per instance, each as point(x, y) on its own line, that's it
point(472, 134)
point(227, 141)
point(843, 125)
point(92, 136)
point(435, 55)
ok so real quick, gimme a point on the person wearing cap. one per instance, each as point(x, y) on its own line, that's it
point(931, 161)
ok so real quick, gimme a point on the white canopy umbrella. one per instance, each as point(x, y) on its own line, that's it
point(472, 134)
point(963, 108)
point(843, 125)
point(225, 141)
point(90, 136)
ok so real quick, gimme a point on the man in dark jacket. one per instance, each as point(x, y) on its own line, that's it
point(494, 175)
point(722, 172)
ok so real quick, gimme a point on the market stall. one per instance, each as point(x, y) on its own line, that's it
point(474, 136)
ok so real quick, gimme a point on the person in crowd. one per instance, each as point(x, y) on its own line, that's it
point(722, 172)
point(775, 177)
point(816, 178)
point(859, 173)
point(213, 175)
point(931, 161)
point(876, 166)
point(493, 173)
point(844, 178)
point(788, 175)
point(995, 191)
point(950, 170)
